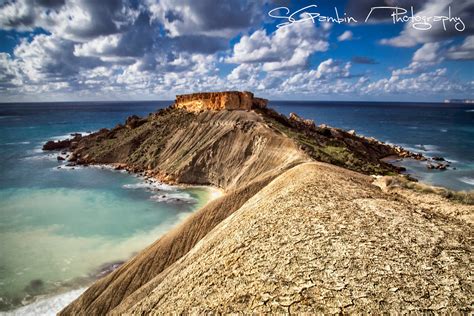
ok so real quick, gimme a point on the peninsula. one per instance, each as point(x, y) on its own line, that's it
point(312, 220)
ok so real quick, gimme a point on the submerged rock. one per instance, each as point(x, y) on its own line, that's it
point(35, 286)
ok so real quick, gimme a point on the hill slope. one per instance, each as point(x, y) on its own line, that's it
point(242, 152)
point(321, 239)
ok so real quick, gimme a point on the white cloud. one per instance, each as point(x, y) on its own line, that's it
point(346, 36)
point(331, 68)
point(329, 77)
point(102, 45)
point(10, 75)
point(49, 58)
point(143, 48)
point(79, 20)
point(425, 57)
point(465, 51)
point(426, 83)
point(411, 36)
point(287, 49)
point(244, 73)
point(206, 17)
point(428, 53)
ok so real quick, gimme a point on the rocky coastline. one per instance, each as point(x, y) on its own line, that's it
point(73, 150)
point(301, 225)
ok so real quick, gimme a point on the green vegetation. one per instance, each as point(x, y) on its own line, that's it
point(464, 197)
point(323, 146)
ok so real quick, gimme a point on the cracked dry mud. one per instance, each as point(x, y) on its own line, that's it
point(323, 239)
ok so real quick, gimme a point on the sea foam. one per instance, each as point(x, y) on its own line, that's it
point(173, 198)
point(48, 306)
point(467, 180)
point(17, 143)
point(150, 186)
point(69, 135)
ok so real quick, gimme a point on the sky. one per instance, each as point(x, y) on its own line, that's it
point(84, 50)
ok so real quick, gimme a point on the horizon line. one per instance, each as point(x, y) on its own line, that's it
point(278, 100)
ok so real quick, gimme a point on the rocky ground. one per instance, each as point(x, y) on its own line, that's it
point(289, 234)
point(322, 239)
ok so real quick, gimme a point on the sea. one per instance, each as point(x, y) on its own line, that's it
point(63, 227)
point(432, 129)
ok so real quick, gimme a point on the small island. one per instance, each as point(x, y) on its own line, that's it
point(312, 219)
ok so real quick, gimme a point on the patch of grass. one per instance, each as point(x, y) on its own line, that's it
point(464, 197)
point(322, 145)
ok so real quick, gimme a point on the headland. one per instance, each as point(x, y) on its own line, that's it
point(301, 227)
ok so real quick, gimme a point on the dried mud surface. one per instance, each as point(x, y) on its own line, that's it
point(322, 239)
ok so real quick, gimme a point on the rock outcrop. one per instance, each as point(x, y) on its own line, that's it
point(289, 234)
point(62, 144)
point(216, 101)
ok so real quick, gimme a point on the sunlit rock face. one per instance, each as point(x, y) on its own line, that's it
point(217, 101)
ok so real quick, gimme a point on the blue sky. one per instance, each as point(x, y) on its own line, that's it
point(153, 49)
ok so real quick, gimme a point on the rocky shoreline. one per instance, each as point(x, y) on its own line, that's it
point(71, 149)
point(227, 101)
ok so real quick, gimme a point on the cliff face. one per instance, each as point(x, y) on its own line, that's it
point(216, 101)
point(283, 235)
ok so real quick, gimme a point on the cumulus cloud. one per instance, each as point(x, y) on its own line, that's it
point(411, 36)
point(426, 56)
point(332, 68)
point(79, 20)
point(428, 53)
point(428, 83)
point(244, 73)
point(133, 42)
point(137, 48)
point(9, 72)
point(360, 9)
point(420, 76)
point(85, 37)
point(287, 49)
point(329, 76)
point(346, 36)
point(26, 14)
point(50, 58)
point(206, 17)
point(465, 51)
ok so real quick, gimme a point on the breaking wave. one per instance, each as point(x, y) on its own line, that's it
point(173, 198)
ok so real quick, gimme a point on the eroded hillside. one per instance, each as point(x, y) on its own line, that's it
point(288, 234)
point(321, 239)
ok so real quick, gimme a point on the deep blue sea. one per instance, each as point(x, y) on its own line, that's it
point(59, 226)
point(438, 129)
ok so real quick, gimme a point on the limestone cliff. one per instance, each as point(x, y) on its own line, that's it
point(289, 234)
point(216, 101)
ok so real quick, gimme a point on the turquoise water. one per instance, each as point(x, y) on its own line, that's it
point(61, 227)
